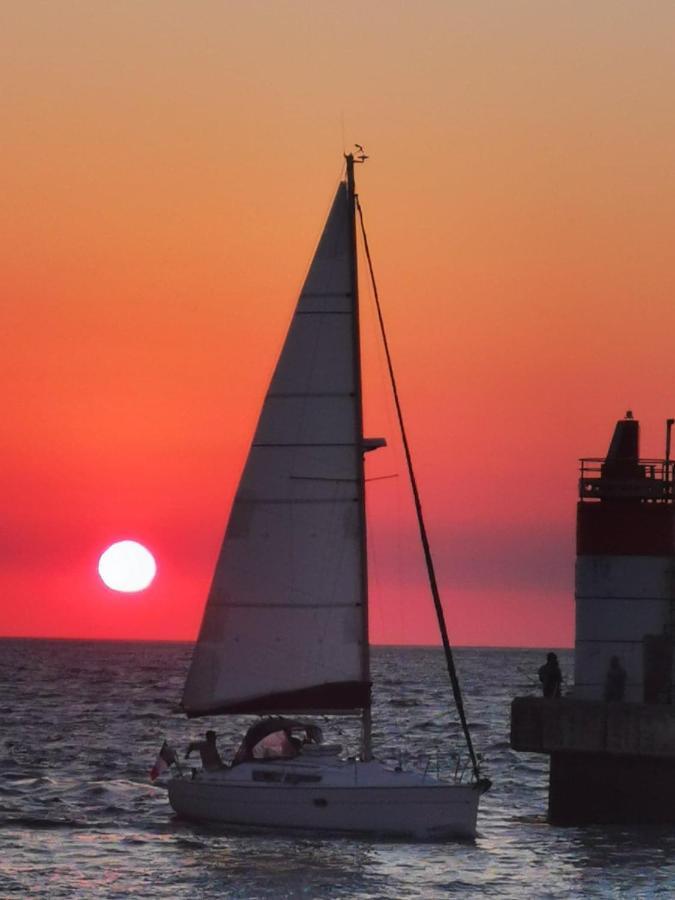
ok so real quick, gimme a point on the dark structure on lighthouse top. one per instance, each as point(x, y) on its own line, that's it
point(625, 502)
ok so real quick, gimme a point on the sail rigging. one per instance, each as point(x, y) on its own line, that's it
point(438, 606)
point(285, 628)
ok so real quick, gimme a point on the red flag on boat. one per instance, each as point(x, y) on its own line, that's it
point(165, 757)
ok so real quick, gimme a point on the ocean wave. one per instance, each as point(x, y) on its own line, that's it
point(40, 822)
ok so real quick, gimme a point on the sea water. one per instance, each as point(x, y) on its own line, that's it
point(81, 723)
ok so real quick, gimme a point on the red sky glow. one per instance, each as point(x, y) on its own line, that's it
point(167, 168)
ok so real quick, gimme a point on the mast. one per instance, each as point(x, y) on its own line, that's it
point(366, 735)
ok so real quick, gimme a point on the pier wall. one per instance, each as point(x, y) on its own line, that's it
point(587, 789)
point(610, 762)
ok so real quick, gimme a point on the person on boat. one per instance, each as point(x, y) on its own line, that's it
point(550, 676)
point(208, 751)
point(273, 738)
point(615, 681)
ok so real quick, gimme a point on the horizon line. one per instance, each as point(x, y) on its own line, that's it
point(138, 640)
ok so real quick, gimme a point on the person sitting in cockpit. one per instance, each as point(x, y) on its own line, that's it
point(208, 751)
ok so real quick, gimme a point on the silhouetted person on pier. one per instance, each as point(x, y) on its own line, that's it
point(615, 681)
point(550, 676)
point(208, 751)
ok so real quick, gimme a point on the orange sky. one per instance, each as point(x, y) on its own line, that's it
point(166, 170)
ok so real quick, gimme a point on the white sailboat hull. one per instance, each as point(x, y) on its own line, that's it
point(336, 796)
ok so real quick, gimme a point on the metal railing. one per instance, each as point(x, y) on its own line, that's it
point(651, 481)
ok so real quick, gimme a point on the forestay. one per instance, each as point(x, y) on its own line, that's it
point(283, 628)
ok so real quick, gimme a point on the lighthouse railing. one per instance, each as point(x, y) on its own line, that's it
point(647, 480)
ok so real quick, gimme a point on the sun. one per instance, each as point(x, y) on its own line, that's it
point(127, 566)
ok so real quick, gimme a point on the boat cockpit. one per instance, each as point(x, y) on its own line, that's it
point(277, 737)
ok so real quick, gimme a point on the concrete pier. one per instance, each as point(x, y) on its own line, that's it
point(610, 762)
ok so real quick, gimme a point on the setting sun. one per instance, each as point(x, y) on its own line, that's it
point(127, 566)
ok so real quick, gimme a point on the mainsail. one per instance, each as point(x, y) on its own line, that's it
point(284, 627)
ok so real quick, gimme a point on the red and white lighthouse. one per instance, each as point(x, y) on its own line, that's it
point(625, 570)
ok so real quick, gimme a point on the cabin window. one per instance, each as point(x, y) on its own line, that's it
point(262, 775)
point(297, 778)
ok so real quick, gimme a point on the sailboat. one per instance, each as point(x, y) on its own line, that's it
point(285, 628)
